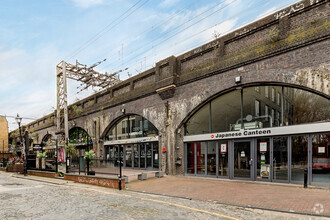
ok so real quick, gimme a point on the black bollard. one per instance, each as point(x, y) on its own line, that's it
point(305, 178)
point(120, 174)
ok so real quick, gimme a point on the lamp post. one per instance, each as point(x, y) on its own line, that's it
point(19, 120)
point(3, 153)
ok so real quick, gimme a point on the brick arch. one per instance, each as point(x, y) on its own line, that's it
point(228, 90)
point(46, 137)
point(116, 120)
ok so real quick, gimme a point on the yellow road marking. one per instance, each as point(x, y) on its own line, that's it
point(158, 201)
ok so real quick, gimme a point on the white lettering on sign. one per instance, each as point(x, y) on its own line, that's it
point(263, 132)
point(244, 133)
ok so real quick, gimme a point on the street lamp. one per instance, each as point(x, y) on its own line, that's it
point(19, 120)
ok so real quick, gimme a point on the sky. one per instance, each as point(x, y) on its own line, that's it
point(36, 35)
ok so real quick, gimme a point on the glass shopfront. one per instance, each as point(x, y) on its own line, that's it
point(261, 133)
point(135, 140)
point(262, 159)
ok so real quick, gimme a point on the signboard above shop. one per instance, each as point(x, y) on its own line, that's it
point(264, 132)
point(37, 147)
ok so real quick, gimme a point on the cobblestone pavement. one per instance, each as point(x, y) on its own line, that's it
point(44, 198)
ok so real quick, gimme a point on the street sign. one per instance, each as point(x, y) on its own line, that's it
point(37, 147)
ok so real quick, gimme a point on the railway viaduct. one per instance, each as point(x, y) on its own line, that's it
point(289, 47)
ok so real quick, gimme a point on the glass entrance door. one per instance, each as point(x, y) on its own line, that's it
point(149, 155)
point(128, 155)
point(242, 159)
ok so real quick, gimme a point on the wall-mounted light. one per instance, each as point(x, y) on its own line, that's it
point(122, 110)
point(238, 79)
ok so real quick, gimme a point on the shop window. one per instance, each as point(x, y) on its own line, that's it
point(111, 135)
point(280, 158)
point(135, 126)
point(199, 123)
point(155, 152)
point(226, 112)
point(211, 158)
point(299, 157)
point(132, 126)
point(321, 159)
point(299, 107)
point(263, 158)
point(253, 118)
point(223, 158)
point(190, 158)
point(306, 107)
point(122, 129)
point(200, 157)
point(78, 136)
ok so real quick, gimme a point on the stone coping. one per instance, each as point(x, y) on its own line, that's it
point(91, 176)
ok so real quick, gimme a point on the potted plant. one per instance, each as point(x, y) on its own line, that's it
point(15, 164)
point(89, 156)
point(42, 156)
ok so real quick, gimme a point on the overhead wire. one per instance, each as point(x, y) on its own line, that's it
point(180, 31)
point(157, 37)
point(106, 29)
point(148, 30)
point(187, 38)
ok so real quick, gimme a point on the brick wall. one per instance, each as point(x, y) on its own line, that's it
point(289, 47)
point(3, 134)
point(98, 181)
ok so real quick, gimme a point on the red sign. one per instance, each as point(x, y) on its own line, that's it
point(164, 149)
point(212, 136)
point(223, 148)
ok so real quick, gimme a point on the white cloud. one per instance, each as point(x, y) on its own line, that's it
point(30, 82)
point(87, 3)
point(168, 3)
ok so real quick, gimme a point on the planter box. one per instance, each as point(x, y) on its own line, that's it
point(43, 163)
point(43, 173)
point(16, 168)
point(98, 181)
point(37, 163)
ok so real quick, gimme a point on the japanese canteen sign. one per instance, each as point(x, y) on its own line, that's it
point(285, 130)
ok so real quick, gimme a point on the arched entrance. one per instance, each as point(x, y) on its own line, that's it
point(263, 133)
point(135, 140)
point(80, 140)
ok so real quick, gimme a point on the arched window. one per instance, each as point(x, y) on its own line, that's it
point(131, 126)
point(259, 107)
point(78, 135)
point(47, 140)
